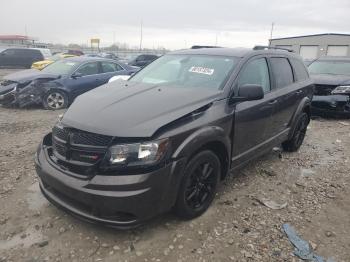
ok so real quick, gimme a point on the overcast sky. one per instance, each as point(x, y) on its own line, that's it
point(172, 24)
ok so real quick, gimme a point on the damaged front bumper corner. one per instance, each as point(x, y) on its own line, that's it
point(27, 99)
point(8, 97)
point(331, 106)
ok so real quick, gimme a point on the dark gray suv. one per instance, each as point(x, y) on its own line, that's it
point(164, 139)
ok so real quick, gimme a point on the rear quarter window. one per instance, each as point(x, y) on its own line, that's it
point(300, 70)
point(282, 71)
point(30, 53)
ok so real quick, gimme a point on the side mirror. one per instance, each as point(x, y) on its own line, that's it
point(77, 75)
point(248, 92)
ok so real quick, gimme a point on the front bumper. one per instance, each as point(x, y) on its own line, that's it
point(120, 201)
point(331, 106)
point(8, 97)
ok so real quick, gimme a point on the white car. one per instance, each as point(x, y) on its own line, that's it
point(121, 77)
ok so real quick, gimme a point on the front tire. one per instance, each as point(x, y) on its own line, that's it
point(294, 143)
point(198, 186)
point(55, 100)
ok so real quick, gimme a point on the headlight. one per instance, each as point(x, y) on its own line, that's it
point(138, 154)
point(341, 90)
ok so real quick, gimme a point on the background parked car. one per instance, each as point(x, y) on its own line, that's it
point(142, 60)
point(58, 84)
point(75, 52)
point(331, 76)
point(109, 56)
point(42, 64)
point(22, 57)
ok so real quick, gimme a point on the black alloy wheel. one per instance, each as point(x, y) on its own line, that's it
point(199, 184)
point(297, 139)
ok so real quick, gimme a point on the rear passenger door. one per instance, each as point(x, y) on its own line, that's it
point(110, 69)
point(89, 78)
point(29, 56)
point(287, 93)
point(252, 117)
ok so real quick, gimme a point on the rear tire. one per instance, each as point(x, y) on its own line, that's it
point(55, 100)
point(198, 186)
point(294, 143)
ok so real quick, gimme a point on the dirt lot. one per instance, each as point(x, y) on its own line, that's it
point(313, 182)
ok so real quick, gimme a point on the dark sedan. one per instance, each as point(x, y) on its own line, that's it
point(331, 76)
point(142, 60)
point(57, 85)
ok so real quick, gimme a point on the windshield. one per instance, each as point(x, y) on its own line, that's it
point(190, 71)
point(61, 67)
point(330, 67)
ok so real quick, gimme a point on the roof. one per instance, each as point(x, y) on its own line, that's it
point(237, 52)
point(302, 36)
point(234, 52)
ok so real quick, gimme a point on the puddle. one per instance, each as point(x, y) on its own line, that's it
point(32, 236)
point(35, 199)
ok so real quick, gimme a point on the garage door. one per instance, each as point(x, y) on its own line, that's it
point(337, 50)
point(309, 51)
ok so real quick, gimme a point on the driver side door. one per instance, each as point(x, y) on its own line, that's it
point(252, 117)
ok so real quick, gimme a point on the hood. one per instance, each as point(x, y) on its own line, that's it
point(126, 109)
point(328, 79)
point(28, 75)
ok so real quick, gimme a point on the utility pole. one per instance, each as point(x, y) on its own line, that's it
point(271, 32)
point(141, 36)
point(114, 41)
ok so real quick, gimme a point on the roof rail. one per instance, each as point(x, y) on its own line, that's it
point(204, 46)
point(261, 47)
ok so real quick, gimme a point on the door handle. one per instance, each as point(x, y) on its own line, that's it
point(271, 102)
point(299, 92)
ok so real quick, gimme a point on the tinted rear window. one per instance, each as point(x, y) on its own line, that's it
point(282, 71)
point(29, 53)
point(300, 70)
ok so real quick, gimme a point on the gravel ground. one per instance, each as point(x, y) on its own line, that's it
point(4, 72)
point(314, 183)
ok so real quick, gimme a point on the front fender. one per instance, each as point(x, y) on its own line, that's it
point(200, 138)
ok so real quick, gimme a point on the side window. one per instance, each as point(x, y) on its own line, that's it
point(108, 67)
point(9, 52)
point(282, 71)
point(299, 69)
point(256, 72)
point(141, 58)
point(89, 69)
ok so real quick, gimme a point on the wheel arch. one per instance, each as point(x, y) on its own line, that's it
point(304, 106)
point(211, 138)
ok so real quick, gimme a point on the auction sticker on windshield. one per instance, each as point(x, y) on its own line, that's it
point(201, 70)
